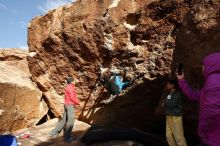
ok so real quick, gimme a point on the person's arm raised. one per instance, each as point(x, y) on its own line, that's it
point(186, 89)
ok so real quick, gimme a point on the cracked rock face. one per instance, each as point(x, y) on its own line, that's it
point(76, 41)
point(136, 37)
point(21, 103)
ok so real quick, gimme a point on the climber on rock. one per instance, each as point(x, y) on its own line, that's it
point(113, 82)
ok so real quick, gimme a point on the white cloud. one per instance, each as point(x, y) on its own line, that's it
point(20, 46)
point(53, 4)
point(23, 47)
point(3, 6)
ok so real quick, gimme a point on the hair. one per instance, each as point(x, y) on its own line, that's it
point(174, 82)
point(69, 79)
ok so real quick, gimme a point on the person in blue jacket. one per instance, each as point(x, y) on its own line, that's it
point(113, 82)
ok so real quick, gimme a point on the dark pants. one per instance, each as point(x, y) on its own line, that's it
point(68, 120)
point(202, 144)
point(125, 85)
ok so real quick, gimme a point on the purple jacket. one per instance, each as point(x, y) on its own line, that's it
point(209, 99)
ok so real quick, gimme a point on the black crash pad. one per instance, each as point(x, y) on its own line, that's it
point(99, 133)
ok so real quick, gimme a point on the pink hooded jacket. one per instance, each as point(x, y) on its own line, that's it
point(209, 100)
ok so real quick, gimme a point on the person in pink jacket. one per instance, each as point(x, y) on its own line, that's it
point(209, 100)
point(68, 117)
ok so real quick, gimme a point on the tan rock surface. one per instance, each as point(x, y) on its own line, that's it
point(16, 58)
point(39, 134)
point(21, 102)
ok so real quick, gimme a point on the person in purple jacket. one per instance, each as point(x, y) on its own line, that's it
point(209, 100)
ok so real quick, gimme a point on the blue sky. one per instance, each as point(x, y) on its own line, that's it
point(15, 16)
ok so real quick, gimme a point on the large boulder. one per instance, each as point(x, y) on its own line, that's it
point(141, 38)
point(79, 38)
point(21, 102)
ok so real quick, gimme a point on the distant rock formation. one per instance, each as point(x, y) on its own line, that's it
point(21, 103)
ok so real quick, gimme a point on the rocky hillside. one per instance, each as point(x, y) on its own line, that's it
point(144, 39)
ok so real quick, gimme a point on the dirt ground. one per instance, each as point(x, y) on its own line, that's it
point(39, 136)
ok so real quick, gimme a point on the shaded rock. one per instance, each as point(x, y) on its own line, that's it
point(197, 38)
point(118, 143)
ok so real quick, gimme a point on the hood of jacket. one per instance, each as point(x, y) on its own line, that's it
point(211, 64)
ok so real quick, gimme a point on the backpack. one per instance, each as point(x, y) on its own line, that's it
point(8, 140)
point(114, 84)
